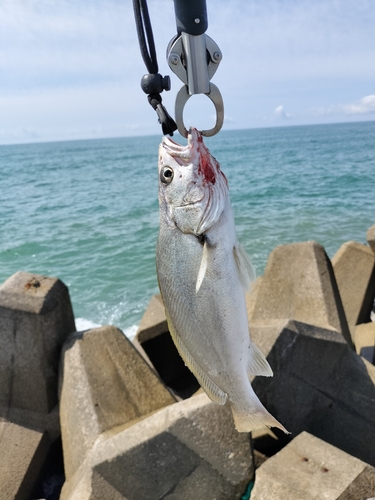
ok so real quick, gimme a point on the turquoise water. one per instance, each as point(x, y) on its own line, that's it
point(87, 211)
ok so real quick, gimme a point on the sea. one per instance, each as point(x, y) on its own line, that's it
point(87, 211)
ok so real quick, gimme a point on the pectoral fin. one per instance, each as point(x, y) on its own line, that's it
point(257, 363)
point(245, 269)
point(203, 266)
point(206, 257)
point(211, 389)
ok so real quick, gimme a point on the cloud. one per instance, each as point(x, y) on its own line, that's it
point(280, 112)
point(364, 106)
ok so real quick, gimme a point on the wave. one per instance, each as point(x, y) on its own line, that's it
point(83, 324)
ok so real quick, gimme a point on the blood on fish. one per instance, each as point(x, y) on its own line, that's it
point(205, 167)
point(208, 166)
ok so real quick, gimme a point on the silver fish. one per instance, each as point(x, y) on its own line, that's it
point(203, 273)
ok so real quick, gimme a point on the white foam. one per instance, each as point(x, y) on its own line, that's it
point(131, 331)
point(85, 324)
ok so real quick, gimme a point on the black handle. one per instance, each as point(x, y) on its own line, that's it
point(191, 16)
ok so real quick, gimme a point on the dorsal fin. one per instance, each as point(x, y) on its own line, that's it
point(245, 269)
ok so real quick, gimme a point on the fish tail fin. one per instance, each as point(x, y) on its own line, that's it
point(250, 419)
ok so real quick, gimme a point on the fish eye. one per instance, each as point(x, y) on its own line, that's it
point(166, 175)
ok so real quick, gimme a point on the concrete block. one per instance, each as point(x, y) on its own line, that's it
point(49, 422)
point(251, 297)
point(155, 343)
point(153, 322)
point(187, 450)
point(354, 267)
point(370, 236)
point(319, 385)
point(35, 319)
point(364, 339)
point(299, 283)
point(310, 469)
point(22, 452)
point(104, 383)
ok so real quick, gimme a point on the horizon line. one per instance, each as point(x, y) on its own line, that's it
point(52, 141)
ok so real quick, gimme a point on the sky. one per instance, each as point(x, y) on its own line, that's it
point(71, 69)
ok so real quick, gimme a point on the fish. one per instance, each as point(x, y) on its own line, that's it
point(203, 273)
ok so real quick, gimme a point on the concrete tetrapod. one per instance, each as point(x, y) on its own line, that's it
point(22, 452)
point(370, 236)
point(155, 344)
point(364, 338)
point(35, 318)
point(188, 450)
point(311, 469)
point(105, 383)
point(154, 321)
point(354, 267)
point(299, 284)
point(319, 385)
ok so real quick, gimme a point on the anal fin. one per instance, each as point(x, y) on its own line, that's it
point(211, 389)
point(257, 363)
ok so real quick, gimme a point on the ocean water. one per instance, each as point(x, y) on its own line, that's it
point(87, 211)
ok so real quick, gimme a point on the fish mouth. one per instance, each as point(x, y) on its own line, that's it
point(180, 152)
point(193, 135)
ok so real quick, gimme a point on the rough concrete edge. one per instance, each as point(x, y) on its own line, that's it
point(340, 308)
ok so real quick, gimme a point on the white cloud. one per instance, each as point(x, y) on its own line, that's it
point(364, 106)
point(280, 112)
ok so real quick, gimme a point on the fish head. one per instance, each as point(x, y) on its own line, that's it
point(193, 190)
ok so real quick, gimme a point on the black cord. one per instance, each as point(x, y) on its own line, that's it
point(153, 83)
point(143, 24)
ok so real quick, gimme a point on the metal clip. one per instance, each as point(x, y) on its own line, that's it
point(195, 59)
point(183, 96)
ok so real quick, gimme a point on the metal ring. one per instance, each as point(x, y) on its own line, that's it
point(183, 96)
